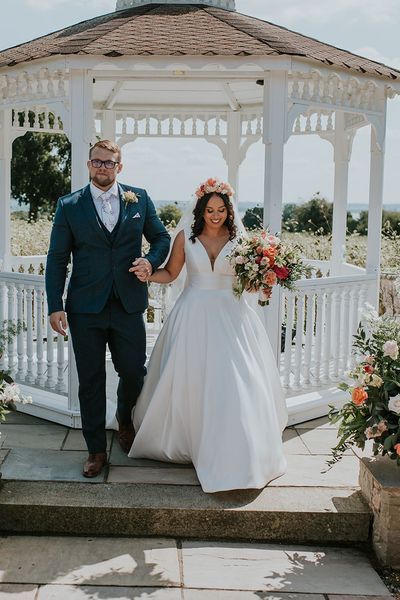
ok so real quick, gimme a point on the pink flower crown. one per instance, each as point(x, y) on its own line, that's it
point(214, 186)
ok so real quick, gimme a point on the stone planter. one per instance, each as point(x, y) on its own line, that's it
point(379, 481)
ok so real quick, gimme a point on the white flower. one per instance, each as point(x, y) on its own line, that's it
point(130, 196)
point(394, 404)
point(375, 381)
point(239, 260)
point(391, 349)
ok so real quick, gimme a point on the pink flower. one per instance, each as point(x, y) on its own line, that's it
point(239, 260)
point(391, 349)
point(270, 278)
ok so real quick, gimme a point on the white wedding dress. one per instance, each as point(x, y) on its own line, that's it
point(212, 395)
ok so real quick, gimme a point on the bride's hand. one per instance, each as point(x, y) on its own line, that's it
point(142, 269)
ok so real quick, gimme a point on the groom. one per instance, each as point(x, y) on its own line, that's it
point(102, 226)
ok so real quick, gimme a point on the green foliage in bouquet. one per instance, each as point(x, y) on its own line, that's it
point(373, 412)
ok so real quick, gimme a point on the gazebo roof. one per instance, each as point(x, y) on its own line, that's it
point(186, 30)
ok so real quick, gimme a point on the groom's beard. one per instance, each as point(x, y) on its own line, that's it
point(104, 179)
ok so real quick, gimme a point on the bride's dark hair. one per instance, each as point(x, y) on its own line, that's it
point(199, 209)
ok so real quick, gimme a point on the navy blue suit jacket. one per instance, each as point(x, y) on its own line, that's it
point(98, 263)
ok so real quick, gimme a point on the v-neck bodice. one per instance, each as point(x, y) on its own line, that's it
point(200, 272)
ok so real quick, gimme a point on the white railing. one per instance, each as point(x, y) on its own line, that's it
point(37, 357)
point(319, 320)
point(34, 265)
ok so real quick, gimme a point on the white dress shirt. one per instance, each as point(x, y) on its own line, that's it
point(112, 196)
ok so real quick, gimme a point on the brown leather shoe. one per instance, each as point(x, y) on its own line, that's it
point(94, 464)
point(126, 435)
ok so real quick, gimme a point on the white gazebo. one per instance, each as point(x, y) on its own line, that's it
point(198, 69)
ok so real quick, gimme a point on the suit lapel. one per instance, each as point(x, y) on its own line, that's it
point(125, 209)
point(91, 213)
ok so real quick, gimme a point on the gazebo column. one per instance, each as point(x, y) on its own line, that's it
point(5, 189)
point(375, 210)
point(234, 137)
point(80, 136)
point(274, 138)
point(342, 148)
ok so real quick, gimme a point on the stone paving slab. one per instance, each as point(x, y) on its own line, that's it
point(320, 441)
point(119, 459)
point(266, 567)
point(246, 595)
point(90, 561)
point(46, 465)
point(312, 471)
point(76, 441)
point(15, 417)
point(45, 436)
point(69, 592)
point(3, 455)
point(153, 476)
point(293, 443)
point(320, 423)
point(15, 591)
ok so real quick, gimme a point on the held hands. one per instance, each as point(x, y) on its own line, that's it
point(58, 322)
point(142, 269)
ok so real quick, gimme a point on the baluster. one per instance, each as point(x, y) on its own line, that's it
point(346, 333)
point(329, 124)
point(30, 303)
point(297, 125)
point(318, 126)
point(218, 125)
point(60, 385)
point(249, 130)
point(159, 130)
point(287, 360)
point(337, 328)
point(318, 337)
point(147, 126)
point(182, 128)
point(50, 380)
point(308, 124)
point(56, 125)
point(206, 126)
point(326, 90)
point(259, 125)
point(310, 307)
point(50, 86)
point(21, 334)
point(39, 87)
point(61, 82)
point(306, 90)
point(46, 120)
point(194, 130)
point(299, 340)
point(295, 87)
point(39, 337)
point(327, 336)
point(171, 126)
point(11, 317)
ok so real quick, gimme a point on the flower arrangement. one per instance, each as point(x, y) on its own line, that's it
point(9, 391)
point(130, 197)
point(261, 261)
point(373, 412)
point(214, 186)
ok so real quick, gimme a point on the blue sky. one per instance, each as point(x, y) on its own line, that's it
point(362, 26)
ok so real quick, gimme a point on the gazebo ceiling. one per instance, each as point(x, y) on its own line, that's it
point(158, 29)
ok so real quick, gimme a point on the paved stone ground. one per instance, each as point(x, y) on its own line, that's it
point(58, 568)
point(37, 450)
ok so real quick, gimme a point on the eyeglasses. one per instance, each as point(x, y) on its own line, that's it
point(109, 164)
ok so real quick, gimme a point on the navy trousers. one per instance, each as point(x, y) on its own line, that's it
point(125, 335)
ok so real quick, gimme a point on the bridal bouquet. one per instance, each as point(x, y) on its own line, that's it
point(261, 261)
point(373, 411)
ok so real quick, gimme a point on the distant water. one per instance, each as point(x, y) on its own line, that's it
point(355, 208)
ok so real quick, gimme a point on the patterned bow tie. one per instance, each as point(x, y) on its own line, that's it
point(108, 214)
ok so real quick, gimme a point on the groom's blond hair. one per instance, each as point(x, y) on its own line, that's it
point(106, 145)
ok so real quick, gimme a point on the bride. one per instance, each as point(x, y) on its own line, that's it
point(212, 396)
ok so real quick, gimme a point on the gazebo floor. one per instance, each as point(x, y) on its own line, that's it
point(43, 491)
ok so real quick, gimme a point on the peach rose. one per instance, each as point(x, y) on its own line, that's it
point(358, 396)
point(270, 278)
point(397, 448)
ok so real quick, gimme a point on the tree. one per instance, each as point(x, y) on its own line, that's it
point(170, 214)
point(253, 217)
point(40, 171)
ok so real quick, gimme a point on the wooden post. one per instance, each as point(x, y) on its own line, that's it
point(234, 136)
point(5, 189)
point(274, 136)
point(342, 149)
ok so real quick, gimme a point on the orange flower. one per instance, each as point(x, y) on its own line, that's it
point(270, 278)
point(397, 448)
point(358, 396)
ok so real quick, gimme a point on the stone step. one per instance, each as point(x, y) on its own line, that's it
point(331, 515)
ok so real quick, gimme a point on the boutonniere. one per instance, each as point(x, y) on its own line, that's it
point(130, 197)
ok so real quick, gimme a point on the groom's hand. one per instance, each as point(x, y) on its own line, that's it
point(58, 322)
point(142, 269)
